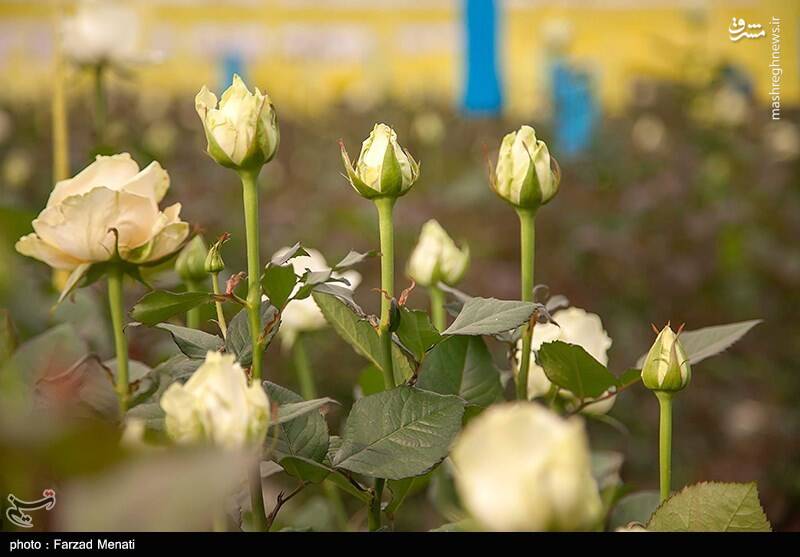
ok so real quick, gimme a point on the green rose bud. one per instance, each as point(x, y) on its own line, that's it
point(436, 257)
point(242, 132)
point(214, 262)
point(191, 261)
point(666, 367)
point(383, 169)
point(526, 175)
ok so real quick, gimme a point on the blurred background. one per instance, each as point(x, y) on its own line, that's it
point(680, 197)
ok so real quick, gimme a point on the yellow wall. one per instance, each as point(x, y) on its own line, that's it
point(310, 54)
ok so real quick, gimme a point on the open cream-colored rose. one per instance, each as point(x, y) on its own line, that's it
point(109, 209)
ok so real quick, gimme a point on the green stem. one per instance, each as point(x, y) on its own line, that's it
point(665, 442)
point(250, 201)
point(437, 308)
point(100, 103)
point(374, 517)
point(223, 326)
point(385, 206)
point(193, 315)
point(250, 197)
point(527, 228)
point(259, 514)
point(115, 304)
point(305, 375)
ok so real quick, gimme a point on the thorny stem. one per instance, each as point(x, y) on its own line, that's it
point(386, 227)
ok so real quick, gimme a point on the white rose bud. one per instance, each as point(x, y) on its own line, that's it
point(383, 169)
point(109, 210)
point(103, 32)
point(242, 132)
point(666, 366)
point(520, 467)
point(436, 257)
point(526, 176)
point(216, 405)
point(575, 326)
point(303, 315)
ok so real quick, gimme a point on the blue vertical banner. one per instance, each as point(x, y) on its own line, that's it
point(232, 63)
point(482, 94)
point(574, 108)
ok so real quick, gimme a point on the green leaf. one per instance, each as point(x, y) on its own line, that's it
point(569, 366)
point(353, 258)
point(712, 507)
point(294, 410)
point(360, 335)
point(629, 377)
point(193, 343)
point(304, 435)
point(316, 472)
point(490, 316)
point(238, 340)
point(416, 332)
point(463, 366)
point(399, 433)
point(710, 341)
point(295, 251)
point(178, 368)
point(278, 282)
point(150, 413)
point(636, 507)
point(401, 489)
point(370, 381)
point(159, 305)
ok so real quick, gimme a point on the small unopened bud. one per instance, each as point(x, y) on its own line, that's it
point(526, 175)
point(214, 262)
point(666, 366)
point(190, 264)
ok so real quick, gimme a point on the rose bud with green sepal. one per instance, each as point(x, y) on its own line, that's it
point(384, 168)
point(526, 175)
point(666, 366)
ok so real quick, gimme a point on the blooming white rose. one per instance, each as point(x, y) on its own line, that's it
point(217, 405)
point(304, 315)
point(666, 366)
point(242, 132)
point(526, 176)
point(520, 467)
point(103, 32)
point(384, 168)
point(575, 326)
point(110, 208)
point(436, 257)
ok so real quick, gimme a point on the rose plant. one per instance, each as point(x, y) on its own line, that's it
point(445, 413)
